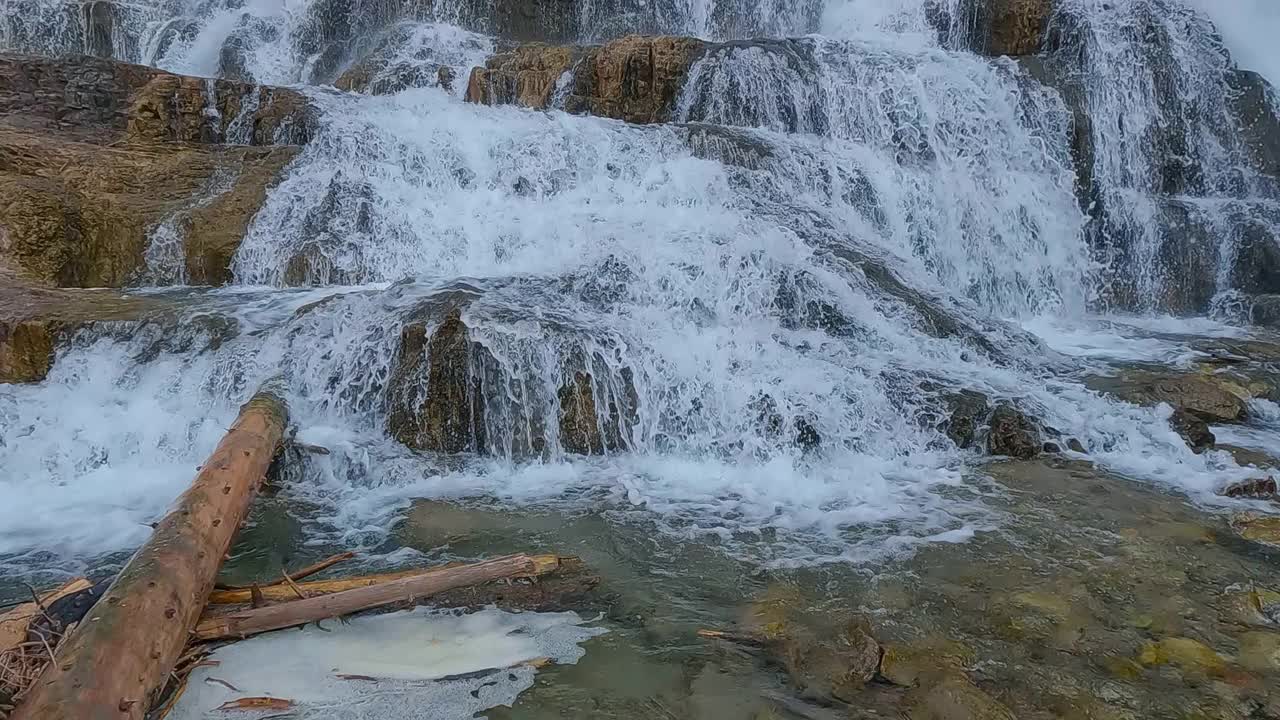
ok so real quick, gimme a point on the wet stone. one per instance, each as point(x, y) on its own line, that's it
point(1013, 434)
point(955, 699)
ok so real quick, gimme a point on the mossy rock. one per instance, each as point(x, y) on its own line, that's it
point(1184, 653)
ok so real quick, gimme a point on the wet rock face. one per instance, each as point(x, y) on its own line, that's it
point(91, 167)
point(448, 394)
point(442, 412)
point(1259, 126)
point(1013, 434)
point(80, 215)
point(1265, 311)
point(34, 320)
point(636, 79)
point(1011, 27)
point(26, 351)
point(106, 101)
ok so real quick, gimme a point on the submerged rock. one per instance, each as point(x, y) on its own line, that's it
point(830, 667)
point(1262, 529)
point(912, 665)
point(1184, 653)
point(1260, 651)
point(955, 698)
point(637, 79)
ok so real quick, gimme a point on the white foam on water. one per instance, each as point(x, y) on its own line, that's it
point(420, 664)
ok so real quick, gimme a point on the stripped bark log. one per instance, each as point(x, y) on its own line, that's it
point(299, 612)
point(121, 655)
point(280, 592)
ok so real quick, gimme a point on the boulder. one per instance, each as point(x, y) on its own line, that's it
point(637, 79)
point(1194, 430)
point(969, 413)
point(95, 155)
point(1012, 433)
point(436, 402)
point(1204, 396)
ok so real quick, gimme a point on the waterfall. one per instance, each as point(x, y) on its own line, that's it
point(766, 300)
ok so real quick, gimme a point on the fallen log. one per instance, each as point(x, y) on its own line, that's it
point(115, 661)
point(424, 584)
point(280, 592)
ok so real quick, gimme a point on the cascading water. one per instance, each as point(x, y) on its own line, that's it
point(773, 292)
point(1177, 197)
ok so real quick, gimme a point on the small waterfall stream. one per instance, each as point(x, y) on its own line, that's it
point(778, 287)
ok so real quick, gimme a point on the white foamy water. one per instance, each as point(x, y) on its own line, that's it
point(778, 289)
point(415, 664)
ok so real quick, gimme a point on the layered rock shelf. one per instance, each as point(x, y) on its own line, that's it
point(95, 155)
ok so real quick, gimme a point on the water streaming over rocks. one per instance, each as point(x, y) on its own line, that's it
point(748, 325)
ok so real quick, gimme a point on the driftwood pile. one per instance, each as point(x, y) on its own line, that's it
point(126, 653)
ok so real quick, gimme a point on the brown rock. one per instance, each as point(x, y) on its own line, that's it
point(107, 101)
point(80, 215)
point(442, 384)
point(26, 351)
point(636, 78)
point(1012, 433)
point(1205, 396)
point(524, 76)
point(1015, 27)
point(89, 166)
point(1252, 488)
point(1194, 430)
point(446, 413)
